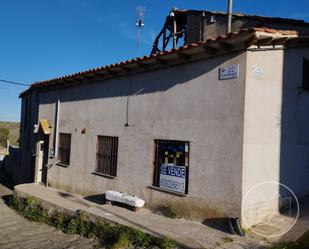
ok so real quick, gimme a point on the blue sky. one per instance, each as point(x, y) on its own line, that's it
point(42, 39)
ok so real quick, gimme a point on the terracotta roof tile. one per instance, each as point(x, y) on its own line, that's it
point(162, 54)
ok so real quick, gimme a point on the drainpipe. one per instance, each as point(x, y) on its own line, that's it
point(128, 101)
point(229, 17)
point(55, 138)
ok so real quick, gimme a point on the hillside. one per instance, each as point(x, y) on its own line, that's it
point(13, 127)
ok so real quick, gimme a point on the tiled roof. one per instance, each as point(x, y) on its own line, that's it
point(222, 44)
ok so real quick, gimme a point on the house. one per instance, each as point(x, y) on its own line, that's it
point(183, 26)
point(199, 125)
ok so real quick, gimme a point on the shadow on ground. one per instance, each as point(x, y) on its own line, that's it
point(98, 199)
point(221, 224)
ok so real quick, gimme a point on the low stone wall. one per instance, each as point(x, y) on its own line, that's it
point(85, 224)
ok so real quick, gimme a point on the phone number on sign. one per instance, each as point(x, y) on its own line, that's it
point(172, 185)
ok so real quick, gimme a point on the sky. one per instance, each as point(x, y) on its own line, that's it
point(43, 39)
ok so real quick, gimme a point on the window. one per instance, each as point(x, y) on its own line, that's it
point(64, 148)
point(171, 165)
point(107, 150)
point(306, 74)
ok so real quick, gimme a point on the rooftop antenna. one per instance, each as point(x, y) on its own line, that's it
point(140, 15)
point(229, 16)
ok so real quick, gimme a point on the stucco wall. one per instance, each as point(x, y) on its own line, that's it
point(185, 102)
point(276, 139)
point(23, 172)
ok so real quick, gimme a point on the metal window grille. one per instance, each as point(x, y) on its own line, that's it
point(64, 148)
point(107, 151)
point(171, 152)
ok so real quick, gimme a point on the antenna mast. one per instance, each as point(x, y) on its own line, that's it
point(229, 16)
point(140, 14)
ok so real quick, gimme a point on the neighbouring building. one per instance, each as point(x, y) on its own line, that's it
point(199, 125)
point(182, 27)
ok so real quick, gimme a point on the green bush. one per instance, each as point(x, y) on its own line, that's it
point(4, 136)
point(113, 236)
point(122, 242)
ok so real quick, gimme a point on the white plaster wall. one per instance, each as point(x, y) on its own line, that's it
point(261, 149)
point(185, 102)
point(273, 131)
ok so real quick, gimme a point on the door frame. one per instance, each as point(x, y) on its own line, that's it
point(42, 147)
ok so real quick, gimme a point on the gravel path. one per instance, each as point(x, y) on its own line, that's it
point(17, 232)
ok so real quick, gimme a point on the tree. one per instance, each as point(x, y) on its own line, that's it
point(4, 136)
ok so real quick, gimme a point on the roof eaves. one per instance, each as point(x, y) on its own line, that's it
point(248, 37)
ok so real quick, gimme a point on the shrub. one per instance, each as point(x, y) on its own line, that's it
point(171, 211)
point(122, 242)
point(4, 136)
point(114, 236)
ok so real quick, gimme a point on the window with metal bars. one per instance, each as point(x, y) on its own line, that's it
point(64, 148)
point(107, 152)
point(171, 165)
point(305, 74)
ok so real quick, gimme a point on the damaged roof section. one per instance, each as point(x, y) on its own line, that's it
point(183, 27)
point(236, 41)
point(241, 15)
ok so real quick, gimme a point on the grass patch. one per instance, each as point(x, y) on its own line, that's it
point(170, 211)
point(111, 235)
point(301, 243)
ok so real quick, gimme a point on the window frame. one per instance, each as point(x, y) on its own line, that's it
point(156, 166)
point(67, 163)
point(107, 166)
